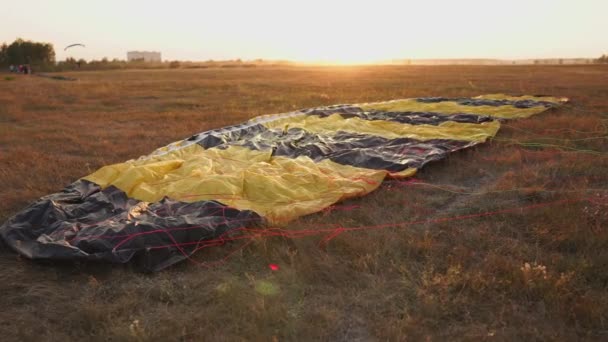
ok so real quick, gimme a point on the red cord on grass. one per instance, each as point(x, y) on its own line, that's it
point(249, 234)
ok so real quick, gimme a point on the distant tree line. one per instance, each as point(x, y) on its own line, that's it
point(41, 57)
point(115, 64)
point(27, 52)
point(603, 59)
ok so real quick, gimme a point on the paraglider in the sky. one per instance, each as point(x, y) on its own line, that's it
point(73, 45)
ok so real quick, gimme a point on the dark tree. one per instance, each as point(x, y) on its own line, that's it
point(3, 54)
point(27, 52)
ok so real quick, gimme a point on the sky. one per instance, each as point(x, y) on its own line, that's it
point(313, 30)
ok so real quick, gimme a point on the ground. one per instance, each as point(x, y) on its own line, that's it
point(505, 241)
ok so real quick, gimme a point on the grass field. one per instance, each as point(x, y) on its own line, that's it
point(515, 243)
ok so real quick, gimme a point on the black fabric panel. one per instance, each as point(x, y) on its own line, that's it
point(227, 135)
point(367, 151)
point(360, 150)
point(489, 102)
point(259, 137)
point(85, 222)
point(412, 118)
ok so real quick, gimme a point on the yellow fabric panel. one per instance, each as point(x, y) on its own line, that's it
point(556, 100)
point(278, 188)
point(183, 162)
point(300, 186)
point(107, 174)
point(447, 107)
point(409, 172)
point(387, 129)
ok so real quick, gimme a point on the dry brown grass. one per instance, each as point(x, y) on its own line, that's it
point(530, 274)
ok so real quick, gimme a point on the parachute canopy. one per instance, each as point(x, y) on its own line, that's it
point(273, 168)
point(73, 45)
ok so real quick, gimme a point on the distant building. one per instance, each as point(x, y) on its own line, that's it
point(146, 56)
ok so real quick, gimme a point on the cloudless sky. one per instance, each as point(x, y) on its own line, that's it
point(313, 30)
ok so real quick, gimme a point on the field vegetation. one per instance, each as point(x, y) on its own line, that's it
point(506, 241)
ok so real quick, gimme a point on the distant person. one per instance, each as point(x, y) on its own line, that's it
point(11, 68)
point(20, 69)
